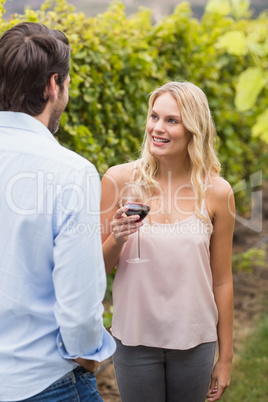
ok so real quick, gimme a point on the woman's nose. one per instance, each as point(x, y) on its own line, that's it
point(159, 126)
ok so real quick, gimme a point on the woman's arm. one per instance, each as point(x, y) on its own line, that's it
point(223, 208)
point(116, 227)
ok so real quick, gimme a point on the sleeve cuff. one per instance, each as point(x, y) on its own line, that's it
point(106, 350)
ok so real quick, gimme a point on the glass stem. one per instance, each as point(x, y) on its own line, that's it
point(139, 248)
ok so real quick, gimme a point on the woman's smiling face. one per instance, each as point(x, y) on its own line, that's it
point(166, 134)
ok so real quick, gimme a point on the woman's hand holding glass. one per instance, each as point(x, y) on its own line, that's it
point(122, 225)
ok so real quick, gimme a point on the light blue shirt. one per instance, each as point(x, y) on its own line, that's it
point(52, 277)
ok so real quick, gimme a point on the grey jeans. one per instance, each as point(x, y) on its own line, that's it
point(148, 374)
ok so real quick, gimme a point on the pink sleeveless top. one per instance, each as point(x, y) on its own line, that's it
point(167, 302)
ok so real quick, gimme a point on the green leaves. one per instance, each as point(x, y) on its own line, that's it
point(2, 9)
point(236, 8)
point(261, 126)
point(250, 83)
point(221, 7)
point(234, 42)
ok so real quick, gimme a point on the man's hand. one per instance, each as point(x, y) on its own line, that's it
point(89, 365)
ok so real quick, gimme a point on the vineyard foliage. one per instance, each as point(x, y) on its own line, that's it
point(117, 60)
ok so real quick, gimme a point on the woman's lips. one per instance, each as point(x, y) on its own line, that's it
point(159, 141)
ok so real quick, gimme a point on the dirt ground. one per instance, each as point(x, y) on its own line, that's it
point(250, 292)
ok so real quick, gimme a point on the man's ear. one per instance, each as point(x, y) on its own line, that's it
point(52, 88)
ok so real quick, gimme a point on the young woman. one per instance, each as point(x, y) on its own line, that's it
point(169, 312)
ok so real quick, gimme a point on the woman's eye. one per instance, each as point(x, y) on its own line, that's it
point(173, 121)
point(153, 116)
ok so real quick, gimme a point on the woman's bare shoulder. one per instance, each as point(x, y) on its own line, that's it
point(220, 196)
point(120, 173)
point(219, 187)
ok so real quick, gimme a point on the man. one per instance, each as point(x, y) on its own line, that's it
point(52, 277)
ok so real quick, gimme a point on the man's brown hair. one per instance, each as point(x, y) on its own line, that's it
point(30, 53)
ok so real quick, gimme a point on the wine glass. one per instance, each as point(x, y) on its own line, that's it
point(134, 196)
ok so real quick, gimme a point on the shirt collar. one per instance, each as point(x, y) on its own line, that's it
point(25, 122)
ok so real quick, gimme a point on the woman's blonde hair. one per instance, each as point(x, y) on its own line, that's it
point(196, 118)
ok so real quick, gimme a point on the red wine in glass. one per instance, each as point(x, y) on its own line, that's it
point(134, 196)
point(137, 208)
